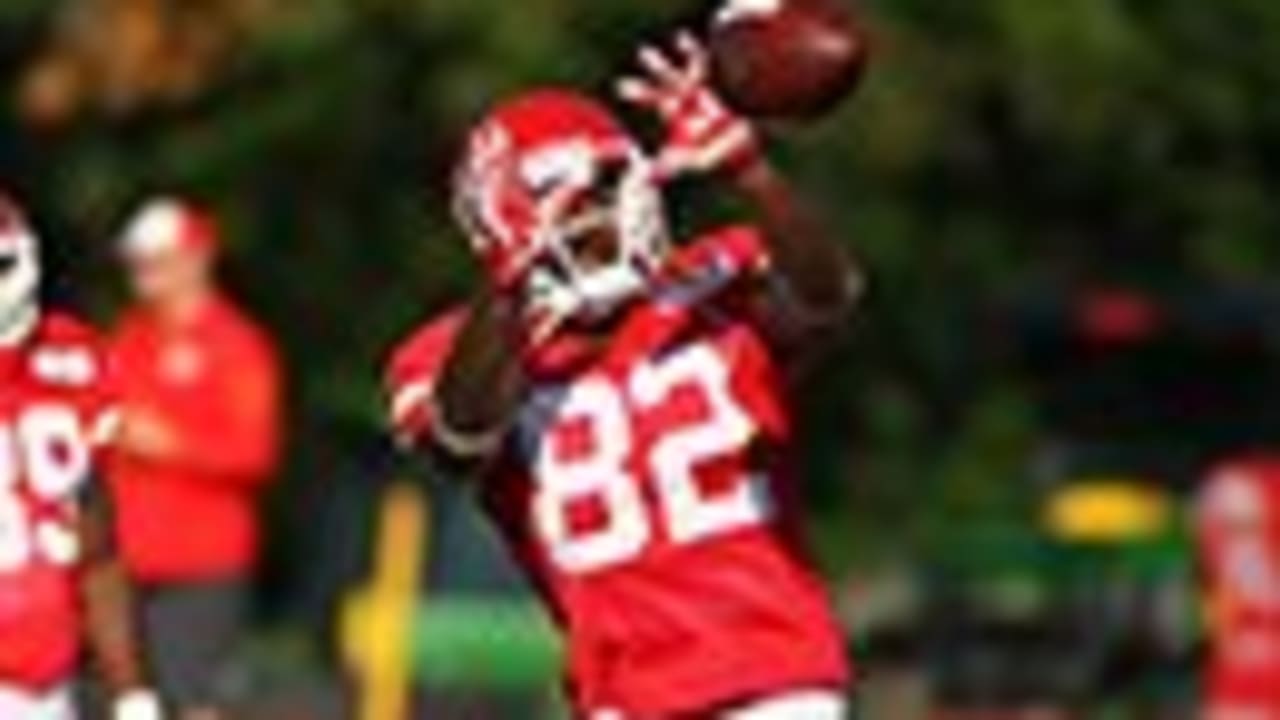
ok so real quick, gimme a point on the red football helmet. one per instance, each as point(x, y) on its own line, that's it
point(166, 225)
point(561, 204)
point(20, 273)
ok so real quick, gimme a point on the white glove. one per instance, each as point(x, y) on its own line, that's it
point(704, 135)
point(735, 10)
point(137, 705)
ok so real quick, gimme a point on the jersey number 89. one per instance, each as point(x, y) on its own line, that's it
point(45, 447)
point(603, 474)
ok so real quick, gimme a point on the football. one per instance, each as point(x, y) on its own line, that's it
point(787, 59)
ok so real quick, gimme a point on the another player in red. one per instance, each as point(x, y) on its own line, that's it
point(1239, 531)
point(624, 399)
point(58, 577)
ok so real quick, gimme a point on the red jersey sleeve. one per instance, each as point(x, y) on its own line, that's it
point(412, 373)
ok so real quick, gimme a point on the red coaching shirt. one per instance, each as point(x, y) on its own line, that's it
point(215, 382)
point(645, 490)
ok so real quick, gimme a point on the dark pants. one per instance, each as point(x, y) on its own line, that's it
point(190, 631)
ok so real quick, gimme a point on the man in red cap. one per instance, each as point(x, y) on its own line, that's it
point(198, 438)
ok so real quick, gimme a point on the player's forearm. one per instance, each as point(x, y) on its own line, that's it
point(112, 631)
point(482, 383)
point(107, 597)
point(818, 271)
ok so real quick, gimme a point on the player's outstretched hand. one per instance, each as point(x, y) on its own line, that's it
point(703, 134)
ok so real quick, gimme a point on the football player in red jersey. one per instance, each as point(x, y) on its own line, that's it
point(1239, 536)
point(623, 399)
point(56, 562)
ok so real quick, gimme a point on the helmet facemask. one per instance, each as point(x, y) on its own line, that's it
point(19, 280)
point(561, 207)
point(603, 237)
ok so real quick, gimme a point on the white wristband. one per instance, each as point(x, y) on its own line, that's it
point(137, 705)
point(465, 445)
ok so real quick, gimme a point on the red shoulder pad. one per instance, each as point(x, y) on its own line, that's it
point(738, 250)
point(69, 354)
point(66, 351)
point(63, 328)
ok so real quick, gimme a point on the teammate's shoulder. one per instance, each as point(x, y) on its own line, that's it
point(61, 327)
point(739, 248)
point(428, 343)
point(67, 351)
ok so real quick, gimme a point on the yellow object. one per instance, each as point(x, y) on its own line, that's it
point(1107, 510)
point(376, 620)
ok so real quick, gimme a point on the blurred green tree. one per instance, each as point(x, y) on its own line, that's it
point(998, 146)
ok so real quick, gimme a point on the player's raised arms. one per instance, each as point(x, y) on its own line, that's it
point(818, 283)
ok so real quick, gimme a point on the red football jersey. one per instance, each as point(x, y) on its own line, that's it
point(1239, 530)
point(645, 490)
point(54, 410)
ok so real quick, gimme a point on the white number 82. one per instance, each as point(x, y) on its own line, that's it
point(687, 512)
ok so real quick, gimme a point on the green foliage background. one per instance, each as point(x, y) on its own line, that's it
point(998, 145)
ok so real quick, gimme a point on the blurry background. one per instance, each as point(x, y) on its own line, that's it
point(1069, 213)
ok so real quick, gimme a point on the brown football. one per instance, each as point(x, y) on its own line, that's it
point(794, 59)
